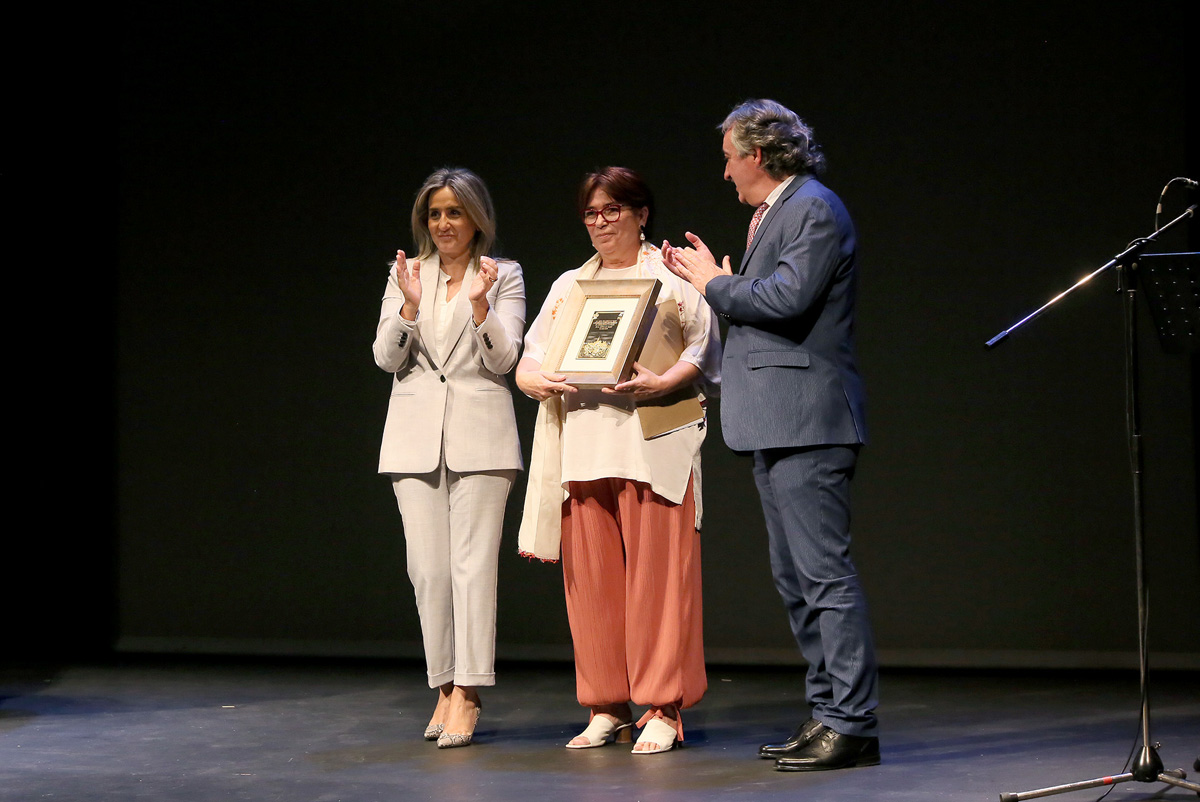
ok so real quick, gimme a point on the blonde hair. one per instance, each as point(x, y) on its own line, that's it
point(472, 194)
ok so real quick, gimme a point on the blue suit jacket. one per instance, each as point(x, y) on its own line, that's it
point(788, 375)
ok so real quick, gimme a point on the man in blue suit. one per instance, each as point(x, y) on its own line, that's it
point(792, 395)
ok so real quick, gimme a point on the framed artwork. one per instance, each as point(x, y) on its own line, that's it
point(602, 327)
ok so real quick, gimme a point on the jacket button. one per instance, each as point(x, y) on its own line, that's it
point(443, 378)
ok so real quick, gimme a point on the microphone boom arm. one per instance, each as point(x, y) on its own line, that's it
point(1133, 249)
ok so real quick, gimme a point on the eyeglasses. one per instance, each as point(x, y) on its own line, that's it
point(611, 214)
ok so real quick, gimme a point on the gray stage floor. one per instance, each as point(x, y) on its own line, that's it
point(199, 730)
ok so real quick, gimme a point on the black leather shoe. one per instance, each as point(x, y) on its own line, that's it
point(801, 738)
point(832, 750)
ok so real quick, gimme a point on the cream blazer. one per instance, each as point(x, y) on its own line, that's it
point(459, 399)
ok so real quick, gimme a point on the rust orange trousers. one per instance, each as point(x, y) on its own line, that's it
point(631, 568)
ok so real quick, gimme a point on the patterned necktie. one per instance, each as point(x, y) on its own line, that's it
point(754, 221)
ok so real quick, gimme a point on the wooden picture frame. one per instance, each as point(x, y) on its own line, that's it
point(601, 329)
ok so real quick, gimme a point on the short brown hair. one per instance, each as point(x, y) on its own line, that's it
point(623, 185)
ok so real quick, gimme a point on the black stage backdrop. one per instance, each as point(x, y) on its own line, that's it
point(991, 155)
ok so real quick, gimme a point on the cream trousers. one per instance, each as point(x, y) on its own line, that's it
point(452, 526)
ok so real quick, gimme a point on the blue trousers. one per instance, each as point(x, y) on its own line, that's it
point(805, 495)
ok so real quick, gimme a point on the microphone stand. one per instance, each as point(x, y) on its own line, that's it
point(1148, 767)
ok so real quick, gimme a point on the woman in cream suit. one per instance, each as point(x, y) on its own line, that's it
point(449, 329)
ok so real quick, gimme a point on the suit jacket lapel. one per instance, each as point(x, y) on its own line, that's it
point(460, 310)
point(431, 271)
point(765, 226)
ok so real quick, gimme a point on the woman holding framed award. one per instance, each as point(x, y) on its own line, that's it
point(449, 329)
point(622, 495)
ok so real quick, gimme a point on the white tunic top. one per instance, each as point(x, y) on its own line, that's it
point(602, 436)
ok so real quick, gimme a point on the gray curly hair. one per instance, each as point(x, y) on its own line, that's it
point(787, 143)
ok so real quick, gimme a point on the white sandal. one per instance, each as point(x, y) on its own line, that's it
point(601, 731)
point(657, 732)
